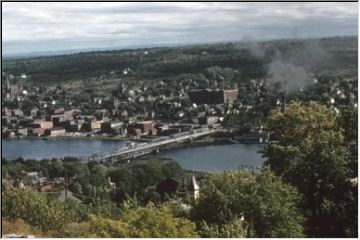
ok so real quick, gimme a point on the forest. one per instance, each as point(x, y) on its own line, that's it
point(251, 60)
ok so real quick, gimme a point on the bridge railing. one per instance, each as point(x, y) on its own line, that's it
point(140, 147)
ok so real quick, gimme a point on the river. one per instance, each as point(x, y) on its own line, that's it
point(209, 158)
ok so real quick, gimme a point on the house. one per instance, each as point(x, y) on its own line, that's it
point(97, 100)
point(58, 118)
point(208, 120)
point(134, 131)
point(42, 124)
point(38, 132)
point(146, 127)
point(168, 131)
point(55, 131)
point(23, 131)
point(59, 111)
point(25, 122)
point(58, 181)
point(6, 111)
point(17, 112)
point(91, 126)
point(110, 127)
point(35, 112)
point(33, 178)
point(253, 137)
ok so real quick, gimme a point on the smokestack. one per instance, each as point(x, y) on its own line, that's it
point(222, 82)
point(283, 104)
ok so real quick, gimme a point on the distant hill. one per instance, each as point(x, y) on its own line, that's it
point(74, 51)
point(164, 62)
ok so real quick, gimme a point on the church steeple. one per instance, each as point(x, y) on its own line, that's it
point(194, 187)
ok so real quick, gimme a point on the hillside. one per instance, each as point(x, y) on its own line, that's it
point(252, 60)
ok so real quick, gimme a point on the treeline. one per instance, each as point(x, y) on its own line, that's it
point(251, 59)
point(169, 218)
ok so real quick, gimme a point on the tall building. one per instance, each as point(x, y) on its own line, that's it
point(207, 96)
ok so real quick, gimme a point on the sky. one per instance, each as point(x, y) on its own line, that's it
point(55, 26)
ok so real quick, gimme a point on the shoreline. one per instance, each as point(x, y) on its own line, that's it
point(72, 138)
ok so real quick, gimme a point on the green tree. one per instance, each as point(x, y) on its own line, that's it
point(233, 229)
point(267, 205)
point(143, 222)
point(348, 121)
point(36, 209)
point(310, 154)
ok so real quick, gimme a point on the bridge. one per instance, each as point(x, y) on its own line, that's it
point(134, 149)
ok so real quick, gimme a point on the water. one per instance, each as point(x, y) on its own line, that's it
point(204, 158)
point(55, 148)
point(215, 158)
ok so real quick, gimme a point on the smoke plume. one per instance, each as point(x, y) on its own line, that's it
point(286, 76)
point(290, 62)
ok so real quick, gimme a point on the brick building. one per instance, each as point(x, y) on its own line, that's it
point(207, 96)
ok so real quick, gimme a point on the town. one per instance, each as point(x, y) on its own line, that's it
point(179, 120)
point(32, 112)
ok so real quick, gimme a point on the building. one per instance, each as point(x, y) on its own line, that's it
point(42, 124)
point(146, 127)
point(95, 125)
point(17, 112)
point(23, 131)
point(194, 187)
point(33, 178)
point(168, 131)
point(208, 120)
point(91, 126)
point(25, 122)
point(35, 112)
point(134, 131)
point(55, 132)
point(110, 127)
point(38, 132)
point(57, 119)
point(253, 137)
point(207, 96)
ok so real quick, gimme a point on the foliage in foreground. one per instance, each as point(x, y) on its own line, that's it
point(36, 209)
point(143, 222)
point(313, 155)
point(268, 206)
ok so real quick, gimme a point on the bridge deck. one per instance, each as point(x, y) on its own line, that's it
point(145, 148)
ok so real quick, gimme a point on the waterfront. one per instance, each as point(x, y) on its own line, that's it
point(204, 158)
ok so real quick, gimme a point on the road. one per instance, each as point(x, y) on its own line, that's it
point(137, 149)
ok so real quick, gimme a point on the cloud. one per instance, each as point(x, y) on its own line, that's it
point(115, 24)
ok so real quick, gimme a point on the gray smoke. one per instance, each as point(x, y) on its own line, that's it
point(289, 70)
point(286, 76)
point(256, 50)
